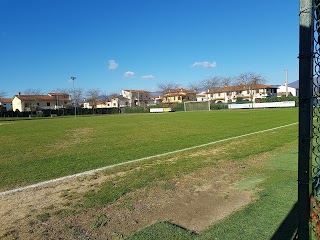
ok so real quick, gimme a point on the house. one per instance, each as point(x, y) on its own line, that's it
point(179, 95)
point(291, 90)
point(118, 102)
point(94, 103)
point(202, 97)
point(25, 103)
point(247, 93)
point(137, 97)
point(157, 99)
point(5, 104)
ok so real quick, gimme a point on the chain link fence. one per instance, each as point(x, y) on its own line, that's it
point(315, 143)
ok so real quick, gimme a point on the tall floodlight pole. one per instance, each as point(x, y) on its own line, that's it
point(306, 48)
point(74, 99)
point(286, 82)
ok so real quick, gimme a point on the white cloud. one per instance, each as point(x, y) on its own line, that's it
point(129, 74)
point(147, 76)
point(113, 65)
point(204, 64)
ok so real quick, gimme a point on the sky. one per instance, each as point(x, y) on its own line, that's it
point(113, 45)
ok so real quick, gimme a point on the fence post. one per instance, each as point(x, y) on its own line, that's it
point(306, 45)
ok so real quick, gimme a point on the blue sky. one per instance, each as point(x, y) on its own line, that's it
point(137, 44)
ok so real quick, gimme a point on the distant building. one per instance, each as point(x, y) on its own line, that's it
point(233, 93)
point(118, 101)
point(6, 104)
point(25, 103)
point(179, 95)
point(157, 99)
point(137, 97)
point(202, 97)
point(293, 89)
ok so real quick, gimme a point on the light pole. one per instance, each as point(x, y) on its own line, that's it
point(286, 82)
point(74, 101)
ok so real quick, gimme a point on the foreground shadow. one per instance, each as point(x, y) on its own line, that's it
point(288, 228)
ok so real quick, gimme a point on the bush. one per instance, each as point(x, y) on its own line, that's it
point(281, 99)
point(218, 106)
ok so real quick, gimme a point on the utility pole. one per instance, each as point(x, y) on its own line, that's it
point(286, 82)
point(306, 48)
point(74, 99)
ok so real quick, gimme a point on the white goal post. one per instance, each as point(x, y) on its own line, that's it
point(196, 106)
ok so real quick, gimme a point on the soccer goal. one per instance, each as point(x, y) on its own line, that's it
point(197, 106)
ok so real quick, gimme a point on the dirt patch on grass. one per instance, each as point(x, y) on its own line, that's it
point(74, 137)
point(193, 201)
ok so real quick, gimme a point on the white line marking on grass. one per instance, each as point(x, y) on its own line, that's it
point(4, 123)
point(136, 160)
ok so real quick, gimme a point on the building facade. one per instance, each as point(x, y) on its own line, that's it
point(248, 93)
point(179, 95)
point(137, 97)
point(5, 104)
point(26, 103)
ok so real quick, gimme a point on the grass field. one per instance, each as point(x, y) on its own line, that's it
point(262, 219)
point(42, 149)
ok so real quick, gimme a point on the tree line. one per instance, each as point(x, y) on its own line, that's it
point(247, 80)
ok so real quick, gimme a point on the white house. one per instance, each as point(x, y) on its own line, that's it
point(6, 103)
point(118, 102)
point(157, 99)
point(137, 97)
point(249, 93)
point(36, 102)
point(202, 97)
point(291, 90)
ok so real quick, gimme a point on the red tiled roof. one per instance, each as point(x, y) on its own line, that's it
point(59, 94)
point(178, 92)
point(136, 91)
point(242, 88)
point(39, 98)
point(5, 100)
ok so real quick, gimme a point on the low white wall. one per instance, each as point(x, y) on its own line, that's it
point(263, 105)
point(158, 110)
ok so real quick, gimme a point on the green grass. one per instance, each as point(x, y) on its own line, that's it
point(236, 150)
point(261, 219)
point(42, 149)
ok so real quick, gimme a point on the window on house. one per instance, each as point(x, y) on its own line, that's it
point(26, 105)
point(48, 104)
point(114, 104)
point(38, 104)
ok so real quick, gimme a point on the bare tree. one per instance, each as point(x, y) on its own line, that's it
point(33, 99)
point(93, 97)
point(2, 94)
point(77, 95)
point(249, 81)
point(109, 96)
point(31, 91)
point(61, 90)
point(194, 86)
point(226, 81)
point(211, 83)
point(165, 87)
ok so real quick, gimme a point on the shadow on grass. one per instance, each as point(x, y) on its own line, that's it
point(288, 228)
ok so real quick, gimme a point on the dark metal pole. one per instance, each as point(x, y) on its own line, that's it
point(306, 45)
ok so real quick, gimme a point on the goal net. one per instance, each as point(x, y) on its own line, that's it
point(197, 106)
